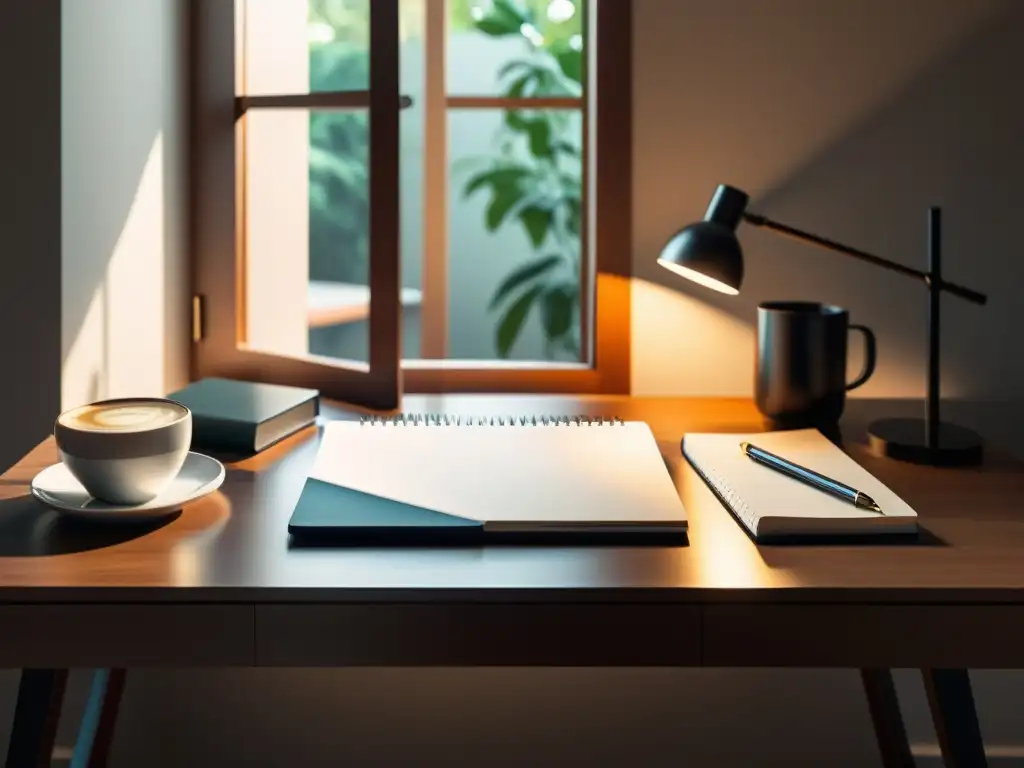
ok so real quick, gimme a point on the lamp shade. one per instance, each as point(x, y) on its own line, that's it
point(708, 252)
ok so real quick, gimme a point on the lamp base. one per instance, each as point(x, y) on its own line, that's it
point(904, 440)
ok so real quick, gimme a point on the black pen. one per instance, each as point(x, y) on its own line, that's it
point(858, 498)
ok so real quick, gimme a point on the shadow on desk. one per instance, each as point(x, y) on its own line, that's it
point(417, 541)
point(28, 529)
point(297, 447)
point(923, 538)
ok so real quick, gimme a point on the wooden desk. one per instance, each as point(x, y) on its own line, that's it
point(222, 570)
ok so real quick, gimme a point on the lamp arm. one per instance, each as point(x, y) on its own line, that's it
point(784, 229)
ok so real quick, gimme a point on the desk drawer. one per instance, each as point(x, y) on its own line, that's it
point(477, 635)
point(127, 635)
point(851, 635)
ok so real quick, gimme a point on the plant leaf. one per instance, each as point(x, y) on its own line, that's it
point(537, 222)
point(518, 88)
point(574, 219)
point(524, 274)
point(570, 61)
point(504, 19)
point(556, 311)
point(496, 27)
point(570, 148)
point(540, 137)
point(540, 76)
point(512, 322)
point(495, 177)
point(347, 171)
point(512, 66)
point(516, 121)
point(502, 202)
point(514, 11)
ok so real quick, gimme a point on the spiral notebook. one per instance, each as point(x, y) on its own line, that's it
point(772, 505)
point(426, 479)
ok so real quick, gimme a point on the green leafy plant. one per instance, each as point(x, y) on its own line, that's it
point(339, 146)
point(534, 182)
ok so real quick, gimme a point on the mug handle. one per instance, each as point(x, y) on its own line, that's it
point(870, 355)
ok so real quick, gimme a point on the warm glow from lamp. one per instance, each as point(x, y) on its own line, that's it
point(699, 278)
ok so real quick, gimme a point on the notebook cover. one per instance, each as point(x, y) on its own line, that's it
point(361, 491)
point(328, 513)
point(245, 416)
point(795, 512)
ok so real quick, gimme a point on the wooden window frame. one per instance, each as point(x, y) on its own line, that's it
point(217, 231)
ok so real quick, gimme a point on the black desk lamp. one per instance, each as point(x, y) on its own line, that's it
point(708, 252)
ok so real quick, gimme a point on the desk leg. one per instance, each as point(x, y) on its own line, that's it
point(885, 715)
point(36, 714)
point(96, 731)
point(954, 717)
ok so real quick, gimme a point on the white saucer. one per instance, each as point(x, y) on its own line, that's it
point(57, 488)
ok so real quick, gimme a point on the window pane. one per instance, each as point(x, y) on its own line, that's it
point(308, 224)
point(515, 211)
point(412, 83)
point(515, 47)
point(307, 233)
point(309, 46)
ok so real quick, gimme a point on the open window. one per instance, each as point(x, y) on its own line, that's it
point(417, 195)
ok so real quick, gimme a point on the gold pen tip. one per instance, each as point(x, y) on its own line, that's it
point(869, 504)
point(744, 446)
point(865, 501)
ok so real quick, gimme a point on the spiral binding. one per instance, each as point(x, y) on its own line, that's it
point(731, 499)
point(450, 420)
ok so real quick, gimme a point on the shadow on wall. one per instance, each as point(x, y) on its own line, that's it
point(948, 137)
point(29, 220)
point(124, 288)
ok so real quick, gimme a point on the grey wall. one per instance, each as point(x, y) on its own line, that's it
point(847, 118)
point(29, 223)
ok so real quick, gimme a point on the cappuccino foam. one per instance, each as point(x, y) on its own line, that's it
point(125, 416)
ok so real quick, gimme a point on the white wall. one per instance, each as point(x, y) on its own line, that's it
point(124, 284)
point(848, 118)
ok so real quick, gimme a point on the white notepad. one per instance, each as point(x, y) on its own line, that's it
point(551, 475)
point(770, 504)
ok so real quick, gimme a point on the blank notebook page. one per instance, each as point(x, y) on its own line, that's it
point(768, 502)
point(511, 475)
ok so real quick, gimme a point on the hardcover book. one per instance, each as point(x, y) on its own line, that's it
point(243, 416)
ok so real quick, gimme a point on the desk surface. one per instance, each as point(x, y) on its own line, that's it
point(233, 545)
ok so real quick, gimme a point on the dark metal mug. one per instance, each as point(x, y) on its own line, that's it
point(801, 362)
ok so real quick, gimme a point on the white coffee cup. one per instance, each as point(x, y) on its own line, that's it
point(125, 451)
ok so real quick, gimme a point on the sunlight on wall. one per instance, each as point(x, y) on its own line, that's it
point(681, 346)
point(124, 296)
point(118, 349)
point(684, 347)
point(83, 373)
